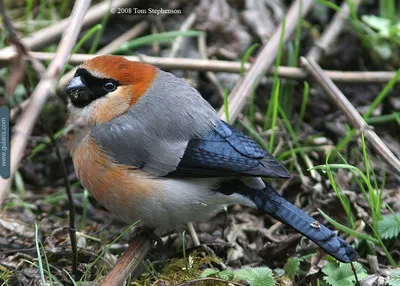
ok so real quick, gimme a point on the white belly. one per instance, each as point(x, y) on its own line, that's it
point(178, 202)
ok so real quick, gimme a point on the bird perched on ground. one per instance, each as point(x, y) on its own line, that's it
point(150, 148)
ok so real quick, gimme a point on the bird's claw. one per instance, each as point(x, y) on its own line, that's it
point(149, 232)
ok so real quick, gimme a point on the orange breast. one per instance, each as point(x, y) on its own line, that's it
point(113, 185)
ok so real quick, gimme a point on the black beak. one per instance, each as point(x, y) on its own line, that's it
point(79, 94)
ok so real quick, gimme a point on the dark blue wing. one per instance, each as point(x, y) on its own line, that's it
point(226, 152)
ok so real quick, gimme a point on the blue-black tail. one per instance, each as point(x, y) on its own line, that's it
point(270, 201)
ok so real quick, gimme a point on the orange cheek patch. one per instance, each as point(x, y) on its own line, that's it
point(109, 182)
point(113, 106)
point(137, 77)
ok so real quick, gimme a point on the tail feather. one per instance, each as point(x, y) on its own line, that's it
point(270, 201)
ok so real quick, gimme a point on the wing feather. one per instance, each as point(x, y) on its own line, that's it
point(226, 152)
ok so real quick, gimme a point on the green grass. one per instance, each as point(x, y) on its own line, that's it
point(28, 14)
point(384, 118)
point(304, 103)
point(246, 56)
point(339, 194)
point(96, 28)
point(226, 105)
point(155, 38)
point(275, 104)
point(19, 183)
point(329, 4)
point(351, 132)
point(252, 103)
point(100, 32)
point(45, 144)
point(378, 33)
point(293, 53)
point(43, 250)
point(103, 251)
point(39, 256)
point(382, 95)
point(387, 9)
point(70, 278)
point(271, 107)
point(278, 116)
point(85, 207)
point(185, 258)
point(367, 183)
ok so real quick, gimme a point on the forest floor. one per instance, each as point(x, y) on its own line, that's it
point(351, 183)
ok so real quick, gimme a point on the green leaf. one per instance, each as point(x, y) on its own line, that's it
point(291, 266)
point(381, 25)
point(226, 274)
point(246, 56)
point(383, 49)
point(19, 183)
point(39, 256)
point(389, 226)
point(341, 274)
point(396, 30)
point(226, 105)
point(208, 272)
point(394, 277)
point(258, 276)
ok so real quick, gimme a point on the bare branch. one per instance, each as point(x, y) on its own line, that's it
point(351, 113)
point(136, 30)
point(132, 257)
point(50, 34)
point(45, 87)
point(332, 31)
point(263, 62)
point(222, 66)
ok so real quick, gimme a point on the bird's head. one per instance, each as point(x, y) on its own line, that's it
point(107, 86)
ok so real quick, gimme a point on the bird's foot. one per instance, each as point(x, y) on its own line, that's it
point(149, 232)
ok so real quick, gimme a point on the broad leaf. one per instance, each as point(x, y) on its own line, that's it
point(389, 226)
point(394, 277)
point(258, 276)
point(291, 266)
point(341, 274)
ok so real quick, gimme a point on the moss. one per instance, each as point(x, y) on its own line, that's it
point(179, 270)
point(5, 275)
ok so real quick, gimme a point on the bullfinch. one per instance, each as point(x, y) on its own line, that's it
point(150, 148)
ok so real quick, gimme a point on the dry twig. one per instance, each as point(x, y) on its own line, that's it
point(179, 40)
point(332, 31)
point(72, 228)
point(222, 66)
point(193, 234)
point(47, 84)
point(50, 34)
point(351, 113)
point(209, 74)
point(132, 257)
point(137, 30)
point(263, 62)
point(321, 47)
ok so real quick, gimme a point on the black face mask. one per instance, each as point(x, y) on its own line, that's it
point(85, 88)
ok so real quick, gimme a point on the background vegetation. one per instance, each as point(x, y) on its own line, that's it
point(338, 177)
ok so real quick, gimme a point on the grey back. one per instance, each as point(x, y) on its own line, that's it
point(154, 133)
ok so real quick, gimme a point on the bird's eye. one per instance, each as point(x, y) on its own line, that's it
point(110, 86)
